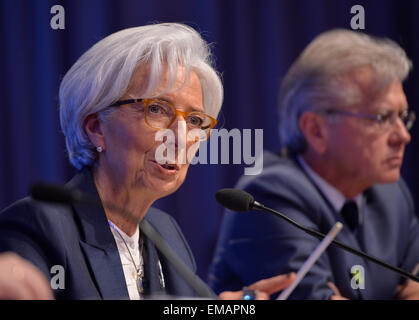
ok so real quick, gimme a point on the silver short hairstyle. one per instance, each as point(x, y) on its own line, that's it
point(101, 76)
point(314, 80)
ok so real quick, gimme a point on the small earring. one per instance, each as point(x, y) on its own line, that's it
point(99, 149)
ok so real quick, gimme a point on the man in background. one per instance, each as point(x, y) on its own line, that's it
point(344, 122)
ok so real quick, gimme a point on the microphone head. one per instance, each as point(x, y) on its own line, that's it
point(235, 199)
point(54, 193)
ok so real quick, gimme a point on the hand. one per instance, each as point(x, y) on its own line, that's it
point(337, 295)
point(263, 288)
point(20, 280)
point(408, 291)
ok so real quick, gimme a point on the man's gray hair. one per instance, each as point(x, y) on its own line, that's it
point(101, 76)
point(314, 81)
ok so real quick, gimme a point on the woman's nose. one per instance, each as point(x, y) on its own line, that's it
point(179, 129)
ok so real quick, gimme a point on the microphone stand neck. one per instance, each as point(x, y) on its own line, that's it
point(258, 206)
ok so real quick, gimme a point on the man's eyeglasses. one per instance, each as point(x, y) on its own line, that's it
point(385, 119)
point(161, 114)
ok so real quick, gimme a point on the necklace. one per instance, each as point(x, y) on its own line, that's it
point(139, 277)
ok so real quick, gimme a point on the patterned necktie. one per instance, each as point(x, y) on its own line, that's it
point(350, 214)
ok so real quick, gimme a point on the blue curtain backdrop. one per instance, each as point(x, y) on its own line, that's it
point(255, 41)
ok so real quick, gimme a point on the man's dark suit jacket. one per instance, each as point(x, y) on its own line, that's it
point(256, 245)
point(79, 239)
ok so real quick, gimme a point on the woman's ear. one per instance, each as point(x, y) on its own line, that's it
point(92, 126)
point(314, 130)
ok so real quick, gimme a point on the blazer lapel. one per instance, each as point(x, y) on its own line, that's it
point(154, 284)
point(173, 283)
point(98, 243)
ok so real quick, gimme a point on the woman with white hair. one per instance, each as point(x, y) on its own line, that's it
point(133, 109)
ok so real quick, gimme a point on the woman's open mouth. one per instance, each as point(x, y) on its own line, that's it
point(166, 168)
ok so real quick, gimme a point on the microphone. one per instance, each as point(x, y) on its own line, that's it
point(241, 201)
point(61, 194)
point(236, 200)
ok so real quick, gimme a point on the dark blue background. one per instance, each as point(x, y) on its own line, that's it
point(254, 41)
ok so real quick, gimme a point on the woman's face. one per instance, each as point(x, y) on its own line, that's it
point(131, 147)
